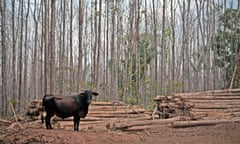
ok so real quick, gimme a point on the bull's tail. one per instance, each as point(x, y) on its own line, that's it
point(42, 111)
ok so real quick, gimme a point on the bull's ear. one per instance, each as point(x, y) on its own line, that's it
point(95, 93)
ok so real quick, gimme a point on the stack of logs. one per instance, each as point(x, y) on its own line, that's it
point(165, 107)
point(102, 112)
point(178, 110)
point(215, 104)
point(98, 112)
point(34, 109)
point(211, 104)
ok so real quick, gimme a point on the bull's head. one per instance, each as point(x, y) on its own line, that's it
point(89, 94)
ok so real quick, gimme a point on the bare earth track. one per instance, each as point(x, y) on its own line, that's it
point(35, 133)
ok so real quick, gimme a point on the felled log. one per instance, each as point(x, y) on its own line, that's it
point(15, 125)
point(107, 108)
point(216, 97)
point(211, 92)
point(215, 110)
point(185, 124)
point(130, 111)
point(212, 101)
point(213, 106)
point(115, 115)
point(109, 103)
point(5, 121)
point(160, 98)
point(133, 123)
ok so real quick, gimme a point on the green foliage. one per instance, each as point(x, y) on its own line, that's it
point(225, 43)
point(13, 101)
point(102, 86)
point(145, 55)
point(176, 86)
point(150, 105)
point(131, 100)
point(87, 85)
point(168, 34)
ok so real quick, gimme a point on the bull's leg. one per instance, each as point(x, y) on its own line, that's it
point(48, 120)
point(76, 121)
point(48, 123)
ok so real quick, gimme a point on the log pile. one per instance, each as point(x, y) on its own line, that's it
point(34, 109)
point(211, 104)
point(168, 107)
point(215, 104)
point(102, 112)
point(99, 112)
point(179, 110)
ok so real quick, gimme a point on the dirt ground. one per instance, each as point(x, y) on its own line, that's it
point(35, 133)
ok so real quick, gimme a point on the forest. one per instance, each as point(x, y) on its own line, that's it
point(127, 50)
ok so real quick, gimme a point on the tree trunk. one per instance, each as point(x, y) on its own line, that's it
point(162, 67)
point(137, 45)
point(72, 82)
point(113, 56)
point(172, 80)
point(106, 47)
point(99, 46)
point(46, 48)
point(154, 66)
point(145, 89)
point(25, 82)
point(14, 80)
point(34, 59)
point(62, 50)
point(80, 53)
point(20, 61)
point(4, 86)
point(52, 44)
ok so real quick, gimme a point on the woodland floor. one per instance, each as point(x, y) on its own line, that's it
point(35, 133)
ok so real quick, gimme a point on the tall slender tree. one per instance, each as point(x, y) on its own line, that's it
point(46, 46)
point(14, 76)
point(154, 65)
point(80, 51)
point(20, 59)
point(71, 48)
point(99, 44)
point(52, 43)
point(26, 51)
point(4, 86)
point(137, 47)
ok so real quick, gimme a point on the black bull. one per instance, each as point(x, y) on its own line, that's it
point(67, 106)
